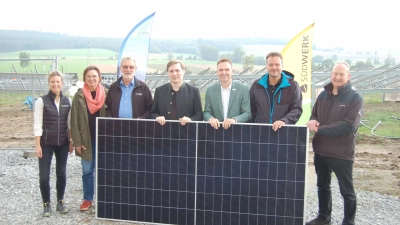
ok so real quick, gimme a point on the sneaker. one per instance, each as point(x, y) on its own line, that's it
point(61, 207)
point(85, 205)
point(319, 221)
point(46, 210)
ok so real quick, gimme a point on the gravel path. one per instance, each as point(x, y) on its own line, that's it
point(20, 200)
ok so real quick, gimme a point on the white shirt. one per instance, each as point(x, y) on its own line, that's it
point(225, 93)
point(38, 116)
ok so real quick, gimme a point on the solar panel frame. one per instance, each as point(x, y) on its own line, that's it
point(138, 159)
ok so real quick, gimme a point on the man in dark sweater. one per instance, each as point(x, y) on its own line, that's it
point(334, 121)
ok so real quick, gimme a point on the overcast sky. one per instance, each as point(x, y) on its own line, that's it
point(339, 23)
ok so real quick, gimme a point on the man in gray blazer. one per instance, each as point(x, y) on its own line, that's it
point(227, 101)
point(176, 100)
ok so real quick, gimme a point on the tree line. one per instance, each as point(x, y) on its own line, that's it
point(319, 60)
point(15, 41)
point(197, 48)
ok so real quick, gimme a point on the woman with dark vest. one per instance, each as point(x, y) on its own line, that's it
point(88, 104)
point(53, 136)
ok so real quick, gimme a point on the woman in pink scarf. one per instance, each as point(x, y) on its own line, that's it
point(88, 103)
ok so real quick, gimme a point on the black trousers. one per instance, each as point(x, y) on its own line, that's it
point(343, 169)
point(61, 154)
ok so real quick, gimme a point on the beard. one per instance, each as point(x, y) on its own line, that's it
point(127, 76)
point(274, 74)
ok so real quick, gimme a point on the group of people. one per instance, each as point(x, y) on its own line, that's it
point(62, 125)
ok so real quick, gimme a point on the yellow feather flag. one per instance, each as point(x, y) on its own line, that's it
point(297, 56)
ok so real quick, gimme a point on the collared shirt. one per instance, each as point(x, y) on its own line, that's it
point(225, 94)
point(125, 104)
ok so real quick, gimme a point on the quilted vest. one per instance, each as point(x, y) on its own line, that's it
point(55, 124)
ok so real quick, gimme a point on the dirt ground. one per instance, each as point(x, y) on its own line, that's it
point(376, 168)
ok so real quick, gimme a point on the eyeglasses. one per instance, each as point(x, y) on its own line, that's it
point(130, 67)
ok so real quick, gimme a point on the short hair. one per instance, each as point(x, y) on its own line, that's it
point(54, 74)
point(89, 68)
point(342, 63)
point(173, 62)
point(127, 58)
point(224, 60)
point(273, 54)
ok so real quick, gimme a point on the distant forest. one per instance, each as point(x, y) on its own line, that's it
point(15, 40)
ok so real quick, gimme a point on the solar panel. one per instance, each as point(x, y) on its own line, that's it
point(194, 174)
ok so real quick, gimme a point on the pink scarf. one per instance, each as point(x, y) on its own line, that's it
point(94, 105)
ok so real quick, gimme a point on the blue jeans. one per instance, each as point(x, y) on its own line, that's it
point(88, 168)
point(61, 154)
point(343, 169)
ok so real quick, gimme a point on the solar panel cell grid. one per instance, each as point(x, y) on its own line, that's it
point(194, 174)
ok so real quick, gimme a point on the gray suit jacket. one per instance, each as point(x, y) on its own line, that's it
point(238, 107)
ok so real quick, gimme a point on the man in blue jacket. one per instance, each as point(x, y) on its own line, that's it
point(275, 98)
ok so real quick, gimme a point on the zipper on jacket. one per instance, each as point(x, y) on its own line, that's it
point(333, 99)
point(58, 130)
point(271, 106)
point(271, 111)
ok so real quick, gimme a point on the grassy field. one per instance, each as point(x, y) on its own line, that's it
point(383, 113)
point(69, 60)
point(76, 60)
point(12, 99)
point(68, 53)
